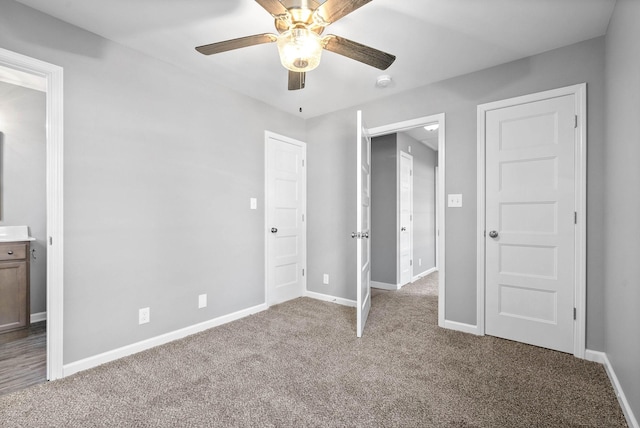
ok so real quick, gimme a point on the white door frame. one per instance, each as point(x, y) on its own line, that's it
point(440, 226)
point(267, 226)
point(53, 75)
point(580, 93)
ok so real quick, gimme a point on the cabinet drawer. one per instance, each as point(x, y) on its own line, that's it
point(13, 251)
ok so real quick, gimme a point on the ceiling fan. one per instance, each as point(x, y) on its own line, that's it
point(300, 24)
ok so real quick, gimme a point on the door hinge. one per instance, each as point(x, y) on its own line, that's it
point(410, 217)
point(303, 162)
point(302, 272)
point(574, 313)
point(51, 240)
point(410, 173)
point(575, 123)
point(575, 217)
point(410, 262)
point(302, 217)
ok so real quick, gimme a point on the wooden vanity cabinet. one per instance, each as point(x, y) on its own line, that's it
point(14, 286)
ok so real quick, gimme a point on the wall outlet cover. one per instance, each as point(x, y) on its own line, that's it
point(202, 301)
point(454, 200)
point(144, 315)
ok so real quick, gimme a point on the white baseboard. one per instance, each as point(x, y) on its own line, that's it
point(423, 274)
point(384, 285)
point(601, 357)
point(333, 299)
point(460, 326)
point(37, 317)
point(96, 360)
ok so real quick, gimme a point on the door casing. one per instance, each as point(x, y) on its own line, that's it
point(580, 93)
point(53, 74)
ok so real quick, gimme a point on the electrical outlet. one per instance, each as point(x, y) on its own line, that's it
point(202, 301)
point(455, 200)
point(144, 315)
point(325, 278)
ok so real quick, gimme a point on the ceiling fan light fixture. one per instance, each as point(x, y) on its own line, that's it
point(300, 49)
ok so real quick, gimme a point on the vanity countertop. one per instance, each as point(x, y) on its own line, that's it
point(15, 234)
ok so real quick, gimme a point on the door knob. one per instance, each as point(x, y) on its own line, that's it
point(493, 234)
point(274, 230)
point(365, 235)
point(402, 229)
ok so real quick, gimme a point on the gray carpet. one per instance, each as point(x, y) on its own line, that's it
point(299, 364)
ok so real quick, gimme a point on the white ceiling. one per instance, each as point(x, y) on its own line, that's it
point(432, 39)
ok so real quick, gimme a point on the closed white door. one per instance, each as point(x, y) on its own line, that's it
point(285, 212)
point(363, 222)
point(406, 218)
point(530, 264)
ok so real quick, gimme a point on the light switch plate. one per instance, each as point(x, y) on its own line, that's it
point(455, 200)
point(202, 301)
point(253, 202)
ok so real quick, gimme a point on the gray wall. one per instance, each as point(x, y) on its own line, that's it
point(159, 168)
point(23, 176)
point(622, 223)
point(424, 203)
point(331, 142)
point(384, 209)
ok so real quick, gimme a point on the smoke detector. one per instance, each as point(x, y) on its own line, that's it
point(383, 81)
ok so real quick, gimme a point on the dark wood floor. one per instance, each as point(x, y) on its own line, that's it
point(23, 358)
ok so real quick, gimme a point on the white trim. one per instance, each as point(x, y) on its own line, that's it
point(267, 227)
point(143, 345)
point(20, 78)
point(580, 93)
point(601, 357)
point(55, 139)
point(40, 316)
point(385, 285)
point(460, 326)
point(332, 299)
point(424, 273)
point(440, 229)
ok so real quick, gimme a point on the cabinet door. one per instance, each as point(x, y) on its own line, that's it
point(13, 295)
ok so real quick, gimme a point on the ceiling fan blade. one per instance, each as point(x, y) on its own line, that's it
point(359, 52)
point(332, 10)
point(296, 80)
point(274, 7)
point(241, 42)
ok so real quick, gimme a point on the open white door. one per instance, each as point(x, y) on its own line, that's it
point(363, 200)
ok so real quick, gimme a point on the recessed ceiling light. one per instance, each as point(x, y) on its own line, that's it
point(432, 127)
point(383, 81)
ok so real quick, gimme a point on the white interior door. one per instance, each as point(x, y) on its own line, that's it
point(285, 206)
point(406, 218)
point(530, 222)
point(363, 221)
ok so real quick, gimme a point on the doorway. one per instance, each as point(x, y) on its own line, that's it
point(437, 125)
point(53, 76)
point(531, 219)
